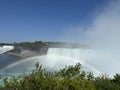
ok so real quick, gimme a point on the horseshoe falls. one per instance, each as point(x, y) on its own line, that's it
point(83, 56)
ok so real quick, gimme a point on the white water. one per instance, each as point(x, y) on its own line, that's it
point(83, 56)
point(80, 54)
point(6, 48)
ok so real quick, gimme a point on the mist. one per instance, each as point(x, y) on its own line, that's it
point(103, 33)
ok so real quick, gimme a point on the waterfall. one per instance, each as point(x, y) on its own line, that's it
point(6, 48)
point(80, 54)
point(83, 56)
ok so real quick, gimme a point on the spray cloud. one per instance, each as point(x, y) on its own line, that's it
point(103, 33)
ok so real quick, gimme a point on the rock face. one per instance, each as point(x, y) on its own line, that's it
point(28, 53)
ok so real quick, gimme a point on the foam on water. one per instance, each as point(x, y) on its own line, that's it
point(6, 48)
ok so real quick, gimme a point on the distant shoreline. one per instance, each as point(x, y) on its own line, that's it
point(37, 48)
point(26, 55)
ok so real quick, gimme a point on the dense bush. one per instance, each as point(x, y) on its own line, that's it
point(68, 78)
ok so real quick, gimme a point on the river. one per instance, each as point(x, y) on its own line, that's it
point(7, 59)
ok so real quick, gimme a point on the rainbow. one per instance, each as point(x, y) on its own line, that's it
point(39, 56)
point(20, 61)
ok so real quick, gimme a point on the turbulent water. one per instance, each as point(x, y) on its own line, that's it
point(6, 48)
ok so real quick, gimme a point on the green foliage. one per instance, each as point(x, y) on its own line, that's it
point(69, 72)
point(16, 50)
point(117, 79)
point(34, 46)
point(68, 78)
point(105, 83)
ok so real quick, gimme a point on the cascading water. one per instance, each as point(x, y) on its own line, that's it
point(6, 48)
point(76, 55)
point(80, 54)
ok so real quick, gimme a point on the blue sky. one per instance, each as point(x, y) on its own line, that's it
point(46, 20)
